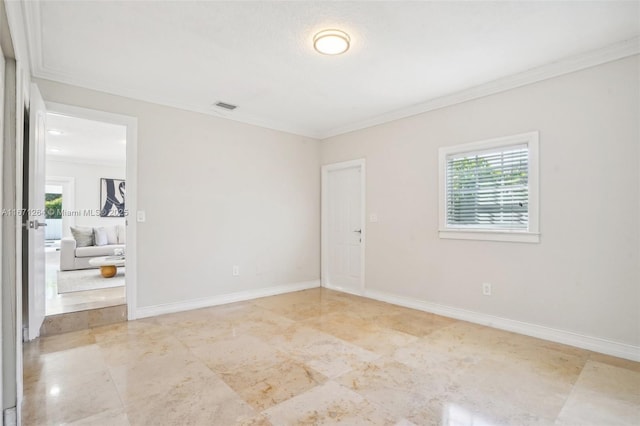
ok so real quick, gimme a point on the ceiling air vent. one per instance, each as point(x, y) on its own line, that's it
point(226, 106)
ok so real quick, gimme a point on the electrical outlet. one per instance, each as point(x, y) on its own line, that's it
point(236, 270)
point(486, 289)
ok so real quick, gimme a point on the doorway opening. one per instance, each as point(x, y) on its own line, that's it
point(80, 155)
point(89, 157)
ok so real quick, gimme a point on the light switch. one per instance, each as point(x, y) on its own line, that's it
point(373, 217)
point(141, 216)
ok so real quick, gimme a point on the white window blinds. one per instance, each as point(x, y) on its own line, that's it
point(488, 189)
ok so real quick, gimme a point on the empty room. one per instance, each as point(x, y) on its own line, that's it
point(317, 212)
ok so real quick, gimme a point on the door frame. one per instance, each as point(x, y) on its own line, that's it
point(131, 124)
point(324, 251)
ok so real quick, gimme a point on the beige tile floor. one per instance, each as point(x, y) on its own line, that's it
point(320, 357)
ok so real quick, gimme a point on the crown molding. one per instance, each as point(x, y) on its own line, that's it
point(568, 65)
point(153, 98)
point(32, 24)
point(33, 29)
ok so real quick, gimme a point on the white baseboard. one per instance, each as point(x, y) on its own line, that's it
point(168, 308)
point(341, 289)
point(595, 344)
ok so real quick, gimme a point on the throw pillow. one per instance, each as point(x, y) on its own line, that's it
point(112, 234)
point(100, 236)
point(82, 235)
point(122, 234)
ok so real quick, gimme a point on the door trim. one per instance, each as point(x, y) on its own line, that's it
point(324, 251)
point(131, 123)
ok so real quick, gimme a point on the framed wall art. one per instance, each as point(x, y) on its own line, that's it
point(112, 195)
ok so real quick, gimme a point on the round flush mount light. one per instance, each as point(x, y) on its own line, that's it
point(55, 132)
point(331, 42)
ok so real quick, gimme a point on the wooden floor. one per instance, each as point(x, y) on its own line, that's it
point(320, 357)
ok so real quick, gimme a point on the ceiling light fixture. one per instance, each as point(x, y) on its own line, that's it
point(55, 132)
point(331, 42)
point(54, 149)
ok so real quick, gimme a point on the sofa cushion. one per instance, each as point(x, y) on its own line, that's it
point(100, 236)
point(122, 234)
point(83, 236)
point(112, 234)
point(95, 251)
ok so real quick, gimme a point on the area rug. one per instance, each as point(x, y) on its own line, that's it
point(87, 279)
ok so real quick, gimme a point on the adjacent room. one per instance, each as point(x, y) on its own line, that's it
point(372, 212)
point(85, 164)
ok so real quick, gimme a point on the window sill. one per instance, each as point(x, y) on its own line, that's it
point(487, 235)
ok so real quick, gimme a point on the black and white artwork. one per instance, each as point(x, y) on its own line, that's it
point(112, 193)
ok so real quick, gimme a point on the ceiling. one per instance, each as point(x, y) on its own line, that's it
point(405, 57)
point(86, 141)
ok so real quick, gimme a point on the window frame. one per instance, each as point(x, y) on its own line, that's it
point(531, 234)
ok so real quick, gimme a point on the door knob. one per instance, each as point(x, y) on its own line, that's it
point(34, 224)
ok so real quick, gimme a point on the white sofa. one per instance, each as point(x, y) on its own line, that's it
point(73, 257)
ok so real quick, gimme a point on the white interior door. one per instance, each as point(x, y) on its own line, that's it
point(36, 217)
point(344, 231)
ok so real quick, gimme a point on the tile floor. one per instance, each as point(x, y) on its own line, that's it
point(320, 357)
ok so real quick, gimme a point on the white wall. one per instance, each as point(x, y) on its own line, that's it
point(584, 275)
point(86, 179)
point(217, 193)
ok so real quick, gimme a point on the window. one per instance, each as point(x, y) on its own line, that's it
point(489, 189)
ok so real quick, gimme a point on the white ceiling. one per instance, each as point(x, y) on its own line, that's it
point(405, 57)
point(85, 141)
